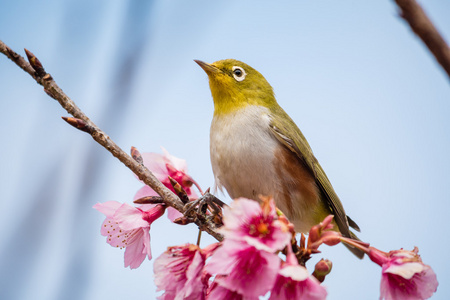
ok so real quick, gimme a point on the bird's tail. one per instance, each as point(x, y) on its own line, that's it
point(357, 252)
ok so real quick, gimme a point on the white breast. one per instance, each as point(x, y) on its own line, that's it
point(242, 152)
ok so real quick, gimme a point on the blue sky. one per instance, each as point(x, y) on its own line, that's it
point(371, 100)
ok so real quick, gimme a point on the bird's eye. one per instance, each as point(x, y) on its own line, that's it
point(239, 73)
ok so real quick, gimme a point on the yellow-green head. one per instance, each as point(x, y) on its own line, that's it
point(235, 85)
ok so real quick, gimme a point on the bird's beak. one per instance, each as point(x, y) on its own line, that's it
point(209, 69)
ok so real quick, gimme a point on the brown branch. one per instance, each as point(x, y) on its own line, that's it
point(17, 59)
point(413, 13)
point(82, 122)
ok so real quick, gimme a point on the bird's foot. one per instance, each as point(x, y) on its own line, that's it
point(208, 206)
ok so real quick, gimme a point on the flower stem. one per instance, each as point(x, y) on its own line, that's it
point(199, 237)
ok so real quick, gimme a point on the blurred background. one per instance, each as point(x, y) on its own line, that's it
point(371, 100)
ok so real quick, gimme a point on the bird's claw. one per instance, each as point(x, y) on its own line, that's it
point(206, 202)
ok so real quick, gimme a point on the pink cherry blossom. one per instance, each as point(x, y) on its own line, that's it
point(404, 275)
point(128, 227)
point(257, 225)
point(179, 272)
point(249, 271)
point(163, 166)
point(294, 282)
point(217, 291)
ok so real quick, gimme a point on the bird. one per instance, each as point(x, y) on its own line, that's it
point(257, 150)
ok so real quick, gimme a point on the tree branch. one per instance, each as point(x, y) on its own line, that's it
point(413, 13)
point(36, 70)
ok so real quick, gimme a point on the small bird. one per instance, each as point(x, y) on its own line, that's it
point(257, 150)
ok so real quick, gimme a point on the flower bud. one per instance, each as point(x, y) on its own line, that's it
point(322, 269)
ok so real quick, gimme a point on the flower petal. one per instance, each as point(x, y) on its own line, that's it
point(285, 288)
point(177, 163)
point(146, 241)
point(406, 270)
point(115, 236)
point(178, 271)
point(168, 295)
point(193, 288)
point(297, 273)
point(249, 271)
point(146, 207)
point(144, 192)
point(107, 208)
point(156, 164)
point(134, 252)
point(241, 210)
point(173, 214)
point(218, 291)
point(129, 217)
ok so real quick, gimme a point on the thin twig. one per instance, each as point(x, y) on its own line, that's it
point(413, 13)
point(53, 90)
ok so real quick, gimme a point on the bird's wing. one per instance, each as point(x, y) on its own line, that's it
point(294, 140)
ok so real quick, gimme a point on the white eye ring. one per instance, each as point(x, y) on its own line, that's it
point(238, 73)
